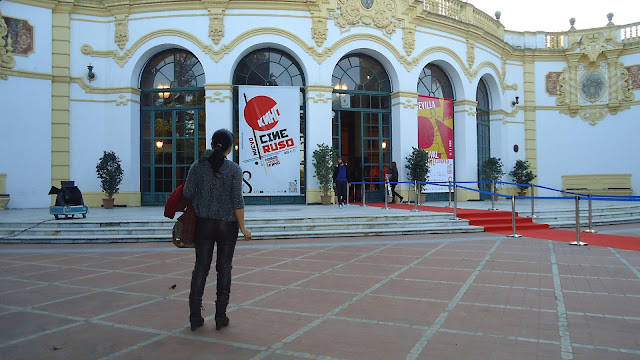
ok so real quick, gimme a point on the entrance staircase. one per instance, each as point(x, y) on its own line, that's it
point(283, 227)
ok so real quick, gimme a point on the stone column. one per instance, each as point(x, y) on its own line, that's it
point(404, 135)
point(319, 131)
point(529, 101)
point(466, 146)
point(60, 92)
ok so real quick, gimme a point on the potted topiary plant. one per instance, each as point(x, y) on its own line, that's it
point(110, 174)
point(324, 160)
point(492, 171)
point(522, 175)
point(418, 165)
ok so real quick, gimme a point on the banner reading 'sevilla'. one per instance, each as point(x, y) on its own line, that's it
point(435, 134)
point(270, 139)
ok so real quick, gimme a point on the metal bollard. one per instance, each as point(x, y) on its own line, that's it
point(348, 186)
point(449, 187)
point(415, 189)
point(590, 230)
point(493, 190)
point(578, 242)
point(533, 214)
point(386, 195)
point(455, 202)
point(363, 195)
point(513, 217)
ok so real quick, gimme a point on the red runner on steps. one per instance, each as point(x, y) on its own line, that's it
point(500, 222)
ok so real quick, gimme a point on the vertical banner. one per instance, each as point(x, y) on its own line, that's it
point(435, 134)
point(269, 150)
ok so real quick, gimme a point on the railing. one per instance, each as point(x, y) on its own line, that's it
point(448, 8)
point(453, 192)
point(555, 40)
point(630, 32)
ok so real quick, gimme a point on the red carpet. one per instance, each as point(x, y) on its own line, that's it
point(500, 222)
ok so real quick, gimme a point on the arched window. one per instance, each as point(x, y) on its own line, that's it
point(360, 72)
point(434, 82)
point(172, 116)
point(484, 131)
point(273, 67)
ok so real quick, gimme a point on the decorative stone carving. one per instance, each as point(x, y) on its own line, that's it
point(408, 40)
point(216, 28)
point(319, 30)
point(562, 89)
point(626, 84)
point(122, 31)
point(592, 116)
point(471, 54)
point(380, 14)
point(6, 57)
point(593, 45)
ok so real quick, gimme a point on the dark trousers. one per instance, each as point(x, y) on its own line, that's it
point(341, 191)
point(208, 233)
point(393, 191)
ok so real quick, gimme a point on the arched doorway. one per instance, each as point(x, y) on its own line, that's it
point(484, 133)
point(362, 120)
point(435, 82)
point(272, 67)
point(172, 114)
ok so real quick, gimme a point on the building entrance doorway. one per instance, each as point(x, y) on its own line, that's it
point(364, 142)
point(362, 122)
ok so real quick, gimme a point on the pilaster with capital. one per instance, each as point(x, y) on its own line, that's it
point(466, 146)
point(614, 81)
point(319, 114)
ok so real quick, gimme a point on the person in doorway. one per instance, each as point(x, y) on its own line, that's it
point(341, 181)
point(393, 179)
point(214, 185)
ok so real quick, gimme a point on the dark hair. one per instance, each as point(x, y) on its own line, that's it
point(221, 141)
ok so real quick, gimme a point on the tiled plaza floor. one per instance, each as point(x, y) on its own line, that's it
point(464, 296)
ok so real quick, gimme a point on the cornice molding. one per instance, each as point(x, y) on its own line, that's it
point(24, 74)
point(224, 87)
point(404, 94)
point(318, 88)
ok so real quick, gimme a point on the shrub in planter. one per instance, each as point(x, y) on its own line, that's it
point(324, 161)
point(110, 174)
point(492, 170)
point(418, 165)
point(522, 175)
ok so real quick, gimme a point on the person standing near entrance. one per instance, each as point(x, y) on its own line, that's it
point(341, 181)
point(214, 185)
point(394, 179)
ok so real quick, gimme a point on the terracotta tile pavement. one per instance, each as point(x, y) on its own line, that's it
point(461, 296)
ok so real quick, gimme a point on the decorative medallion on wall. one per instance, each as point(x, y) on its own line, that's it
point(595, 84)
point(378, 13)
point(6, 57)
point(634, 76)
point(367, 4)
point(21, 33)
point(121, 35)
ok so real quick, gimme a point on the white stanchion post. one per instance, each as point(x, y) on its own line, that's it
point(513, 217)
point(493, 190)
point(363, 195)
point(418, 193)
point(415, 189)
point(533, 214)
point(590, 230)
point(348, 185)
point(449, 187)
point(578, 242)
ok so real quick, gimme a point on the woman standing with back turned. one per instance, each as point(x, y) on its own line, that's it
point(214, 185)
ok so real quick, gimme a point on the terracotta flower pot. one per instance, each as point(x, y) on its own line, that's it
point(108, 203)
point(326, 199)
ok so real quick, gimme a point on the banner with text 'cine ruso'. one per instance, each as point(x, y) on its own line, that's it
point(269, 150)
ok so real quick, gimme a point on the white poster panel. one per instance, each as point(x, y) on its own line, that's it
point(440, 170)
point(269, 150)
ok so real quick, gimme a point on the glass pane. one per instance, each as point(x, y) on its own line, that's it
point(146, 179)
point(201, 123)
point(180, 124)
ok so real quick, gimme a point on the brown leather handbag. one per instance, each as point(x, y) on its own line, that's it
point(184, 229)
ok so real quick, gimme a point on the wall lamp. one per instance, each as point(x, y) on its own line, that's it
point(516, 101)
point(91, 75)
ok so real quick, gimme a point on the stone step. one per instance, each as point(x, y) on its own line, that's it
point(458, 227)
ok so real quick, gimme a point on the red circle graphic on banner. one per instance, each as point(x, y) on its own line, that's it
point(261, 113)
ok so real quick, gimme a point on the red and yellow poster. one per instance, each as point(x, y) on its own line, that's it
point(435, 135)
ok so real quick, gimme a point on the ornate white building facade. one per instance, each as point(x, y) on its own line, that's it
point(164, 76)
